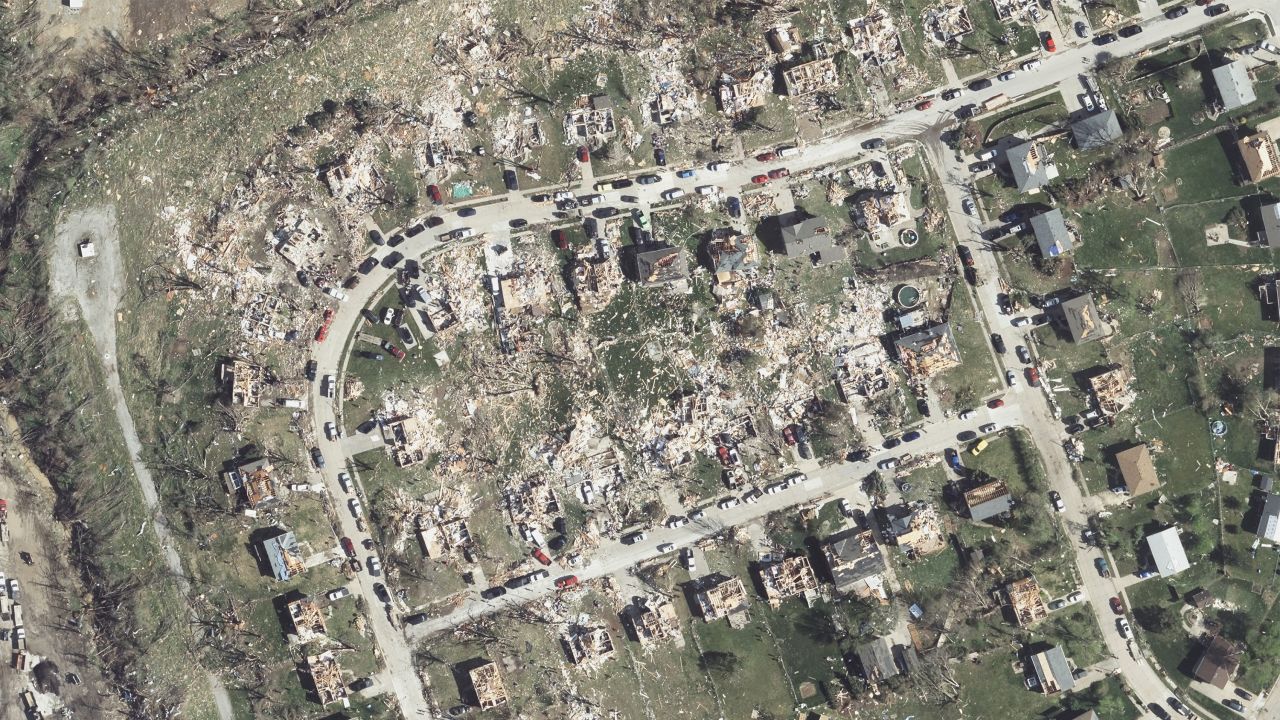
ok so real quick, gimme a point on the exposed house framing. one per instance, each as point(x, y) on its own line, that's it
point(326, 675)
point(308, 620)
point(1112, 390)
point(587, 647)
point(486, 683)
point(1026, 601)
point(781, 580)
point(243, 381)
point(719, 597)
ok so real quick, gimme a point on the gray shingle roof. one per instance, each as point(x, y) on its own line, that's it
point(1234, 86)
point(1270, 233)
point(1096, 130)
point(1052, 234)
point(1031, 166)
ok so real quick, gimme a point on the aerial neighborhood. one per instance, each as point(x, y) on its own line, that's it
point(641, 360)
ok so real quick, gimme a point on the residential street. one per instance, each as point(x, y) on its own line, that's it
point(1025, 406)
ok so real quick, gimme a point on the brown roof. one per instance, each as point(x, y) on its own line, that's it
point(1137, 470)
point(1219, 661)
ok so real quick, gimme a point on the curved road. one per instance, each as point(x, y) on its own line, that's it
point(1025, 406)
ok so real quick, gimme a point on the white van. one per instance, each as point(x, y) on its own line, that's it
point(672, 194)
point(708, 190)
point(785, 152)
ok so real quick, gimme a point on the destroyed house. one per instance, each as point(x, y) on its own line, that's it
point(1112, 390)
point(660, 265)
point(1096, 130)
point(811, 77)
point(1052, 235)
point(651, 625)
point(438, 538)
point(403, 440)
point(531, 500)
point(873, 209)
point(721, 597)
point(243, 382)
point(880, 659)
point(731, 256)
point(781, 580)
point(1032, 166)
point(590, 119)
point(1025, 600)
point(739, 94)
point(927, 351)
point(1218, 661)
point(326, 676)
point(1078, 318)
point(1235, 88)
point(810, 238)
point(915, 528)
point(251, 483)
point(988, 500)
point(307, 620)
point(283, 555)
point(1260, 157)
point(1052, 672)
point(856, 564)
point(487, 686)
point(1136, 470)
point(587, 646)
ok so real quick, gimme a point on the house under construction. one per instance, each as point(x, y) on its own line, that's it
point(1025, 601)
point(326, 675)
point(587, 647)
point(487, 686)
point(243, 382)
point(719, 597)
point(307, 619)
point(1112, 390)
point(781, 580)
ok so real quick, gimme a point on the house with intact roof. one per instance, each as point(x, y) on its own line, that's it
point(1097, 130)
point(810, 238)
point(1052, 235)
point(1051, 671)
point(1167, 552)
point(1235, 87)
point(1136, 469)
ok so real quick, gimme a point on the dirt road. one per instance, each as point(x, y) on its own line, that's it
point(96, 285)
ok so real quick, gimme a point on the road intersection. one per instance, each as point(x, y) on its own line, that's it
point(1024, 406)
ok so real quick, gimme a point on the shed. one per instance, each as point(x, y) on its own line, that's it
point(1167, 553)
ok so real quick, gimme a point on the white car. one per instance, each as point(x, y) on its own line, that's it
point(338, 594)
point(797, 478)
point(708, 189)
point(672, 194)
point(1031, 65)
point(1086, 101)
point(345, 481)
point(967, 415)
point(729, 502)
point(986, 155)
point(1123, 626)
point(968, 206)
point(356, 508)
point(1005, 76)
point(666, 547)
point(375, 565)
point(635, 537)
point(462, 233)
point(887, 464)
point(1011, 377)
point(697, 514)
point(388, 315)
point(588, 492)
point(1021, 321)
point(676, 522)
point(1075, 597)
point(331, 431)
point(988, 428)
point(336, 294)
point(774, 489)
point(686, 557)
point(718, 166)
point(751, 495)
point(590, 199)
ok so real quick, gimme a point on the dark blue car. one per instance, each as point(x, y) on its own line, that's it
point(913, 435)
point(735, 207)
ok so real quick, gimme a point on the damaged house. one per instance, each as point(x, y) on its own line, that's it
point(915, 528)
point(590, 121)
point(283, 555)
point(1136, 470)
point(657, 264)
point(652, 625)
point(594, 284)
point(326, 676)
point(1078, 318)
point(250, 483)
point(810, 238)
point(733, 259)
point(1032, 166)
point(403, 440)
point(856, 565)
point(1112, 390)
point(875, 39)
point(989, 500)
point(531, 501)
point(1218, 661)
point(881, 659)
point(719, 597)
point(783, 579)
point(811, 77)
point(738, 94)
point(927, 351)
point(1051, 671)
point(1052, 234)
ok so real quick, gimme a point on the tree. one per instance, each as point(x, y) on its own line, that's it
point(1152, 618)
point(719, 662)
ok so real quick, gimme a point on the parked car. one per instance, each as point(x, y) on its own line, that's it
point(686, 173)
point(678, 521)
point(981, 84)
point(873, 144)
point(997, 403)
point(1006, 76)
point(978, 447)
point(648, 179)
point(887, 464)
point(1033, 377)
point(1215, 10)
point(728, 502)
point(1100, 564)
point(1023, 353)
point(997, 342)
point(1055, 499)
point(375, 569)
point(952, 93)
point(338, 594)
point(1082, 30)
point(686, 558)
point(1031, 65)
point(924, 104)
point(1177, 12)
point(345, 481)
point(718, 166)
point(672, 194)
point(1105, 39)
point(567, 581)
point(362, 684)
point(966, 257)
point(356, 508)
point(1049, 44)
point(635, 537)
point(493, 592)
point(734, 206)
point(789, 435)
point(778, 173)
point(1244, 693)
point(767, 156)
point(1129, 31)
point(913, 435)
point(433, 192)
point(760, 179)
point(1234, 704)
point(317, 457)
point(980, 167)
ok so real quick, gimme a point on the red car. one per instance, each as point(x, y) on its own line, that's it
point(396, 352)
point(567, 581)
point(722, 452)
point(789, 435)
point(541, 556)
point(997, 403)
point(760, 179)
point(778, 173)
point(767, 156)
point(322, 333)
point(924, 104)
point(1117, 605)
point(1033, 377)
point(433, 191)
point(1049, 44)
point(584, 155)
point(348, 547)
